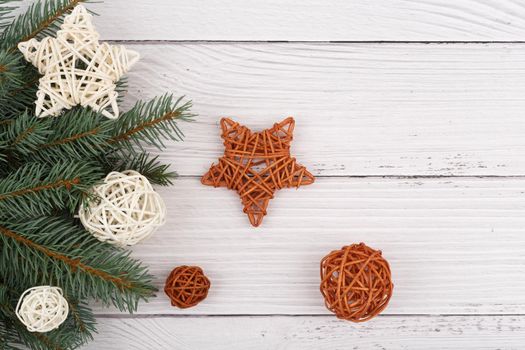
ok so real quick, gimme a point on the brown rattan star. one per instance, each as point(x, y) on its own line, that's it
point(256, 165)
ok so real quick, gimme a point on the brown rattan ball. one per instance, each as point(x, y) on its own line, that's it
point(186, 286)
point(356, 282)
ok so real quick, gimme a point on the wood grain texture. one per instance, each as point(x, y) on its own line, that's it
point(455, 245)
point(361, 109)
point(307, 20)
point(304, 333)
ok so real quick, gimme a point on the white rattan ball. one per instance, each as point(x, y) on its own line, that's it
point(42, 309)
point(125, 210)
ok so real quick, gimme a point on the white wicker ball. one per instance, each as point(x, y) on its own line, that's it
point(42, 309)
point(125, 211)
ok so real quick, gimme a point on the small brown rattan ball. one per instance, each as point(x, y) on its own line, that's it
point(356, 282)
point(186, 286)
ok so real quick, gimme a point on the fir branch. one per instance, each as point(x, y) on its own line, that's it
point(3, 158)
point(41, 18)
point(9, 328)
point(73, 138)
point(25, 133)
point(47, 167)
point(78, 134)
point(39, 189)
point(9, 69)
point(5, 12)
point(121, 87)
point(30, 82)
point(17, 94)
point(150, 123)
point(82, 318)
point(49, 186)
point(11, 77)
point(156, 172)
point(74, 264)
point(73, 259)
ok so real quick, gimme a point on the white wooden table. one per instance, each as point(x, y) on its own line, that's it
point(411, 113)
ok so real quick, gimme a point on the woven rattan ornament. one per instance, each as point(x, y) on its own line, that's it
point(186, 286)
point(256, 164)
point(356, 282)
point(77, 68)
point(42, 309)
point(125, 209)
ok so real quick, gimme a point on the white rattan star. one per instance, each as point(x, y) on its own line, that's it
point(77, 69)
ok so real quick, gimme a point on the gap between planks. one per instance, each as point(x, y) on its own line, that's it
point(145, 316)
point(301, 333)
point(356, 20)
point(394, 177)
point(291, 42)
point(360, 109)
point(438, 235)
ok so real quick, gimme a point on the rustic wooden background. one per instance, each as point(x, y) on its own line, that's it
point(412, 115)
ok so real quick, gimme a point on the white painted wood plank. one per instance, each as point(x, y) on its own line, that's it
point(303, 333)
point(306, 20)
point(361, 109)
point(456, 246)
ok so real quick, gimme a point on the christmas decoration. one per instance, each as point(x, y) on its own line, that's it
point(42, 309)
point(125, 210)
point(48, 168)
point(77, 69)
point(256, 165)
point(186, 286)
point(356, 282)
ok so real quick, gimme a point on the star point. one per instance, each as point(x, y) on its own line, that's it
point(256, 165)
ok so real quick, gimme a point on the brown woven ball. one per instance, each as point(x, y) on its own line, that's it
point(356, 282)
point(186, 286)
